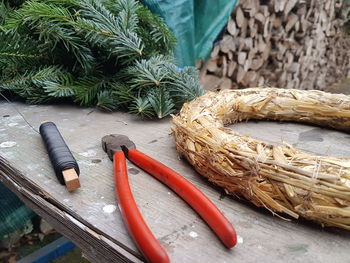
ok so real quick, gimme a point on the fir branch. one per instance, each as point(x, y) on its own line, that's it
point(184, 85)
point(142, 107)
point(123, 95)
point(125, 11)
point(34, 95)
point(155, 34)
point(54, 26)
point(65, 3)
point(56, 35)
point(32, 84)
point(106, 101)
point(101, 18)
point(119, 42)
point(101, 28)
point(33, 78)
point(127, 14)
point(15, 51)
point(161, 102)
point(33, 12)
point(60, 88)
point(127, 47)
point(86, 90)
point(4, 11)
point(149, 73)
point(162, 60)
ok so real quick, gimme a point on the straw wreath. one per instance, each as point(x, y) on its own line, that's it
point(278, 177)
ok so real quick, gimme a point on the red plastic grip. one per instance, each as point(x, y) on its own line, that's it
point(140, 232)
point(191, 194)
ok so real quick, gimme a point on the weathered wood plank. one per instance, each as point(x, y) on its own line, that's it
point(63, 222)
point(89, 213)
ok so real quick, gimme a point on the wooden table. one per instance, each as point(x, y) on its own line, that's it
point(91, 219)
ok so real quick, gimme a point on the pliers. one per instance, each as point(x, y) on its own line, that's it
point(120, 146)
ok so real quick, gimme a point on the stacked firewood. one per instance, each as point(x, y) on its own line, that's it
point(299, 44)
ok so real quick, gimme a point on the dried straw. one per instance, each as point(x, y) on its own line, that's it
point(280, 178)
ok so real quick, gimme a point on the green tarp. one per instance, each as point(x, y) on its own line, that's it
point(196, 24)
point(13, 214)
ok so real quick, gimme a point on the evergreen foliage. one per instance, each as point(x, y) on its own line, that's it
point(113, 54)
point(4, 11)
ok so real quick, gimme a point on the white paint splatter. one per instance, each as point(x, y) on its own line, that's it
point(8, 144)
point(89, 153)
point(66, 200)
point(169, 193)
point(86, 163)
point(239, 240)
point(102, 197)
point(109, 209)
point(40, 175)
point(193, 234)
point(260, 247)
point(12, 124)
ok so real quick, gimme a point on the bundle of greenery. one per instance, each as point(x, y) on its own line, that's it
point(113, 54)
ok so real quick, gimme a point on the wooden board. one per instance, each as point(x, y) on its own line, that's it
point(91, 219)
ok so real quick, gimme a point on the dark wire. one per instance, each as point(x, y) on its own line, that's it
point(60, 155)
point(13, 106)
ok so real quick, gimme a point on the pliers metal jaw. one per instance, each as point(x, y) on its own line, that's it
point(120, 146)
point(116, 142)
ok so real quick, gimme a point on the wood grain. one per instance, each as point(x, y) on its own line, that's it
point(71, 179)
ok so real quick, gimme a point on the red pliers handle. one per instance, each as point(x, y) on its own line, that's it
point(138, 228)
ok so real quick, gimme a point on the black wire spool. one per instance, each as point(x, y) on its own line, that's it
point(59, 153)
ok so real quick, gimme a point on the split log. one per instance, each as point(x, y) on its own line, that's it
point(284, 43)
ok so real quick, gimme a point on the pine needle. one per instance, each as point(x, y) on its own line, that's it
point(86, 90)
point(105, 101)
point(184, 85)
point(161, 102)
point(102, 28)
point(155, 33)
point(142, 107)
point(61, 88)
point(16, 50)
point(149, 73)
